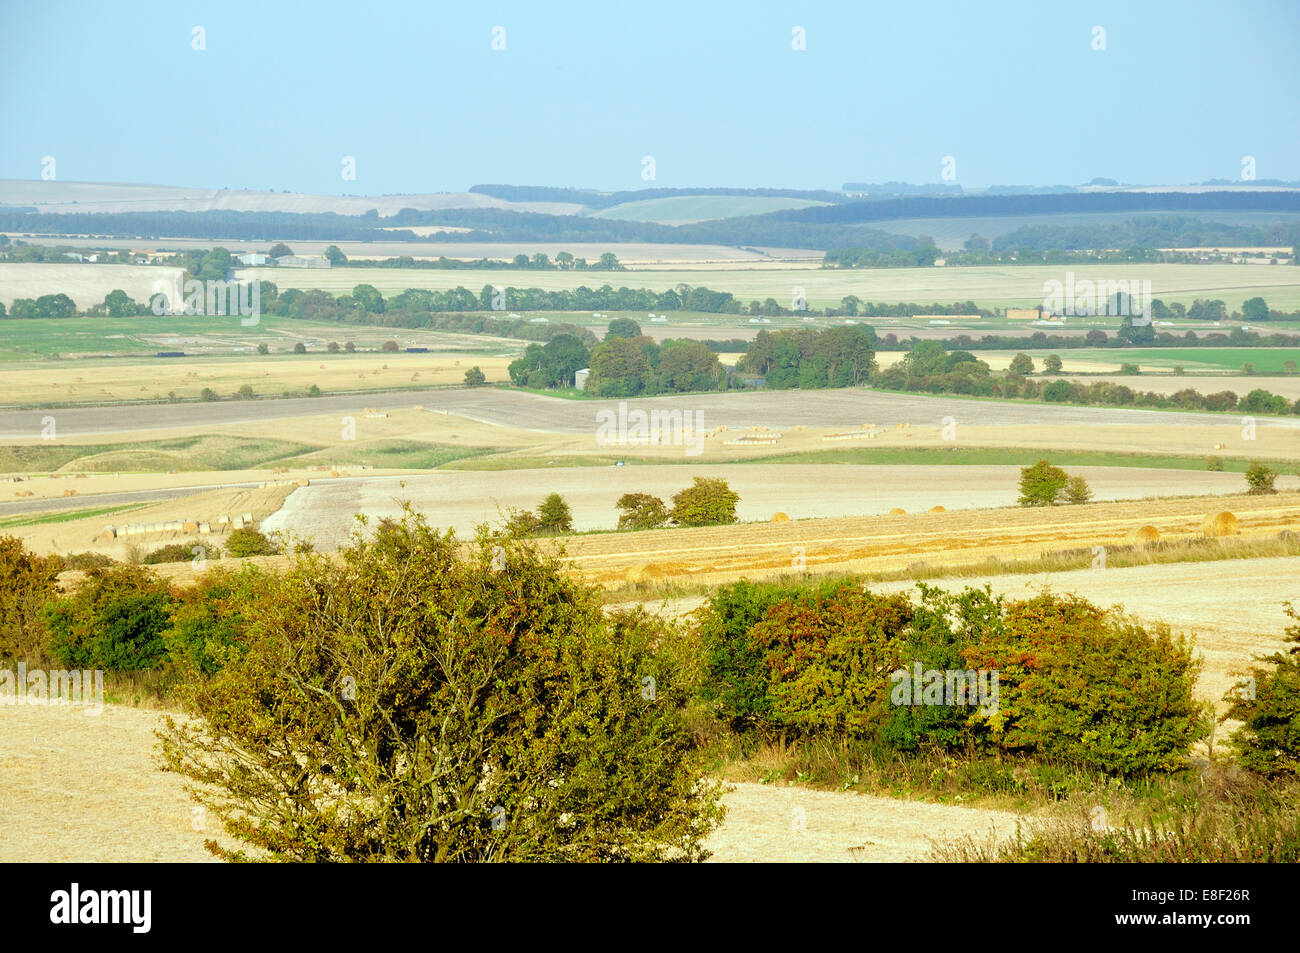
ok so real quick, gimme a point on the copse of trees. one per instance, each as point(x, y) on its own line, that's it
point(810, 358)
point(637, 366)
point(1043, 484)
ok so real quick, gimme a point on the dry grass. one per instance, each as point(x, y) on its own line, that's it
point(1221, 523)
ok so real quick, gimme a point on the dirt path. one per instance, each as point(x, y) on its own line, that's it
point(75, 787)
point(795, 824)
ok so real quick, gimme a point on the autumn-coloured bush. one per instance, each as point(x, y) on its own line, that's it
point(1087, 686)
point(641, 511)
point(416, 699)
point(27, 583)
point(829, 659)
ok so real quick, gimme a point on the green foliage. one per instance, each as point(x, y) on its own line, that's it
point(1052, 364)
point(180, 552)
point(641, 511)
point(1021, 365)
point(1041, 484)
point(1268, 705)
point(247, 541)
point(623, 328)
point(829, 660)
point(115, 621)
point(27, 583)
point(709, 501)
point(1077, 490)
point(1260, 478)
point(209, 618)
point(1214, 464)
point(554, 516)
point(1087, 687)
point(474, 377)
point(407, 702)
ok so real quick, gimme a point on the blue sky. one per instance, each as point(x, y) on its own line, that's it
point(1014, 92)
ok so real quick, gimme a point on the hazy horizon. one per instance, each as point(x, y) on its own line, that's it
point(277, 97)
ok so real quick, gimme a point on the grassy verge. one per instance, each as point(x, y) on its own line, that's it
point(1005, 456)
point(68, 516)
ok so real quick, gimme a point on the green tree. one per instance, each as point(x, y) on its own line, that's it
point(390, 347)
point(27, 583)
point(1021, 365)
point(708, 501)
point(368, 296)
point(554, 516)
point(1267, 703)
point(1254, 310)
point(118, 304)
point(1077, 490)
point(417, 700)
point(115, 620)
point(1260, 478)
point(279, 250)
point(263, 349)
point(641, 511)
point(247, 541)
point(1052, 364)
point(474, 377)
point(336, 256)
point(1042, 484)
point(623, 328)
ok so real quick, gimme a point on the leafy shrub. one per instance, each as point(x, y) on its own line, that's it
point(209, 618)
point(27, 583)
point(735, 675)
point(1084, 686)
point(408, 702)
point(707, 502)
point(1260, 478)
point(179, 553)
point(1214, 464)
point(641, 511)
point(115, 620)
point(474, 377)
point(829, 659)
point(1077, 490)
point(247, 541)
point(1269, 739)
point(554, 516)
point(1041, 484)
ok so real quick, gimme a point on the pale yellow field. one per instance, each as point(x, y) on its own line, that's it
point(1017, 286)
point(86, 284)
point(103, 380)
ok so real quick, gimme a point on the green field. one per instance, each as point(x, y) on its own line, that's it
point(696, 208)
point(1267, 360)
point(991, 286)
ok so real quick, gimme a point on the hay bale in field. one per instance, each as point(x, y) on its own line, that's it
point(1222, 523)
point(191, 526)
point(1146, 534)
point(779, 517)
point(898, 511)
point(938, 509)
point(641, 572)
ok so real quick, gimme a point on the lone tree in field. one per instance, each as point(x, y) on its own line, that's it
point(641, 511)
point(474, 377)
point(390, 347)
point(707, 502)
point(1052, 364)
point(1021, 365)
point(1260, 479)
point(553, 516)
point(1042, 484)
point(1077, 490)
point(417, 699)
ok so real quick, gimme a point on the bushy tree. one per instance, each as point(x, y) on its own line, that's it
point(554, 516)
point(1042, 484)
point(27, 583)
point(1260, 478)
point(247, 541)
point(641, 511)
point(709, 501)
point(414, 701)
point(1021, 365)
point(1077, 490)
point(474, 377)
point(1267, 703)
point(115, 620)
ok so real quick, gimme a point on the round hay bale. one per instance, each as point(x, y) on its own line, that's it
point(779, 517)
point(1146, 534)
point(938, 509)
point(897, 511)
point(1222, 523)
point(642, 572)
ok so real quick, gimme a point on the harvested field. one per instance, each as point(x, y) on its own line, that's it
point(462, 500)
point(85, 789)
point(84, 283)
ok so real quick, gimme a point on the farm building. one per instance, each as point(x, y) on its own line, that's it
point(300, 261)
point(253, 259)
point(580, 378)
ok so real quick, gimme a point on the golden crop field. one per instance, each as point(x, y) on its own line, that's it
point(993, 286)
